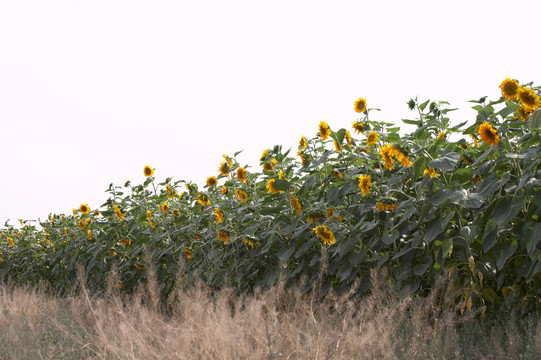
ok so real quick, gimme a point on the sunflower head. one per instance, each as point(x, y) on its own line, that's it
point(530, 100)
point(324, 234)
point(219, 215)
point(324, 130)
point(302, 142)
point(241, 174)
point(337, 146)
point(372, 138)
point(430, 171)
point(488, 134)
point(203, 200)
point(270, 187)
point(224, 168)
point(148, 171)
point(223, 236)
point(358, 127)
point(188, 253)
point(348, 138)
point(241, 195)
point(509, 89)
point(224, 190)
point(211, 181)
point(365, 184)
point(296, 204)
point(411, 104)
point(523, 113)
point(84, 208)
point(360, 105)
point(164, 207)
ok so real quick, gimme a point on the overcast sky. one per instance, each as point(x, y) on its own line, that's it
point(92, 91)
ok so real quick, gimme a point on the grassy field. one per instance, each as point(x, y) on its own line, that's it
point(276, 324)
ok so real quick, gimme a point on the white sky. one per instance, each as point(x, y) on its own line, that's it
point(92, 91)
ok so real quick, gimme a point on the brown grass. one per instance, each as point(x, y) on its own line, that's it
point(278, 323)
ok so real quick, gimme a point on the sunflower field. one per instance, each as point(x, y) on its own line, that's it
point(456, 202)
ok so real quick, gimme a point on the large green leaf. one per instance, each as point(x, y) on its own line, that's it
point(490, 235)
point(419, 165)
point(535, 121)
point(446, 162)
point(505, 210)
point(532, 236)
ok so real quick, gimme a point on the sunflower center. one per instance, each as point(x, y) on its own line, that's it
point(510, 88)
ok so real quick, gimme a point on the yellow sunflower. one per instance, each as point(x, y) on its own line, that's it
point(164, 207)
point(148, 171)
point(302, 156)
point(211, 181)
point(336, 146)
point(302, 142)
point(358, 127)
point(188, 253)
point(360, 105)
point(348, 137)
point(10, 241)
point(270, 187)
point(241, 195)
point(219, 215)
point(203, 200)
point(442, 134)
point(387, 152)
point(509, 89)
point(324, 130)
point(223, 237)
point(324, 234)
point(84, 208)
point(523, 113)
point(224, 168)
point(530, 100)
point(488, 134)
point(399, 155)
point(430, 171)
point(119, 214)
point(372, 138)
point(264, 155)
point(241, 174)
point(269, 166)
point(365, 184)
point(224, 190)
point(296, 204)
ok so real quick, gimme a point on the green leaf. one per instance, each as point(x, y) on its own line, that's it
point(462, 175)
point(423, 105)
point(332, 194)
point(390, 237)
point(419, 165)
point(420, 269)
point(446, 162)
point(508, 110)
point(506, 253)
point(412, 122)
point(535, 121)
point(532, 236)
point(490, 235)
point(281, 184)
point(285, 253)
point(433, 230)
point(504, 211)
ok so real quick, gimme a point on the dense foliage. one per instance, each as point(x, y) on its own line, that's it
point(456, 201)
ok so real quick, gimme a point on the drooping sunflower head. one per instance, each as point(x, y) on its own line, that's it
point(523, 113)
point(148, 171)
point(269, 165)
point(241, 195)
point(224, 190)
point(270, 187)
point(203, 200)
point(530, 100)
point(228, 160)
point(211, 181)
point(324, 234)
point(442, 134)
point(223, 236)
point(360, 105)
point(302, 142)
point(509, 89)
point(84, 208)
point(372, 138)
point(430, 171)
point(219, 215)
point(488, 134)
point(264, 154)
point(241, 174)
point(188, 253)
point(348, 137)
point(337, 146)
point(365, 184)
point(224, 168)
point(164, 207)
point(387, 152)
point(324, 130)
point(296, 204)
point(358, 127)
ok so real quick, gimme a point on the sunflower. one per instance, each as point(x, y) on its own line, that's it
point(372, 138)
point(430, 171)
point(176, 212)
point(119, 214)
point(264, 155)
point(269, 166)
point(125, 242)
point(228, 160)
point(84, 208)
point(337, 174)
point(89, 234)
point(223, 237)
point(10, 241)
point(528, 97)
point(509, 89)
point(442, 134)
point(381, 206)
point(336, 146)
point(475, 140)
point(270, 187)
point(203, 200)
point(296, 204)
point(358, 127)
point(241, 174)
point(188, 253)
point(348, 137)
point(365, 184)
point(82, 224)
point(164, 207)
point(112, 252)
point(400, 156)
point(224, 190)
point(302, 156)
point(224, 168)
point(324, 234)
point(149, 214)
point(488, 134)
point(523, 113)
point(241, 195)
point(360, 105)
point(302, 143)
point(148, 171)
point(211, 181)
point(219, 215)
point(324, 130)
point(387, 152)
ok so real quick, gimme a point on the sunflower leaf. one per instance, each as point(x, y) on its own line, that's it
point(535, 121)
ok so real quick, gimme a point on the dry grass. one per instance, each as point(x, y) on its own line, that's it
point(276, 324)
